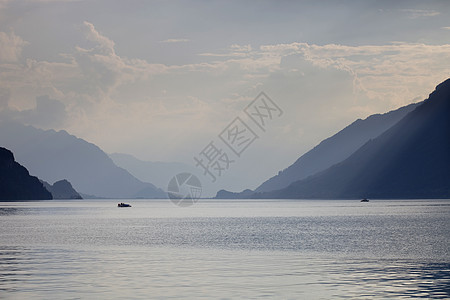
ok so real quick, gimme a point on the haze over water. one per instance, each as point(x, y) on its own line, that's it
point(227, 249)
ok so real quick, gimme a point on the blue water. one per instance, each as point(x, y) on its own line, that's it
point(225, 249)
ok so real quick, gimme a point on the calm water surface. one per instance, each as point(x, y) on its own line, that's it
point(225, 249)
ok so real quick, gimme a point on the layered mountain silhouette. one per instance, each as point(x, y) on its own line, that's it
point(336, 148)
point(62, 190)
point(16, 183)
point(330, 151)
point(158, 173)
point(53, 155)
point(409, 160)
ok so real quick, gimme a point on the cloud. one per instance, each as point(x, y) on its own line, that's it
point(100, 70)
point(420, 13)
point(446, 28)
point(104, 44)
point(241, 48)
point(175, 41)
point(234, 50)
point(394, 73)
point(4, 98)
point(48, 113)
point(11, 47)
point(4, 3)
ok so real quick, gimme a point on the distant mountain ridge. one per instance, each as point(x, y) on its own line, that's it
point(336, 148)
point(53, 155)
point(330, 151)
point(409, 160)
point(62, 190)
point(158, 173)
point(16, 183)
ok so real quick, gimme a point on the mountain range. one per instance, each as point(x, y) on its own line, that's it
point(158, 173)
point(404, 153)
point(336, 148)
point(329, 152)
point(52, 155)
point(411, 159)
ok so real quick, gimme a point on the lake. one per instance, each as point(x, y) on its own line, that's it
point(251, 249)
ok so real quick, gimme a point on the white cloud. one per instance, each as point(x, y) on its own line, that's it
point(105, 45)
point(11, 47)
point(48, 113)
point(241, 48)
point(420, 13)
point(446, 28)
point(393, 74)
point(3, 3)
point(175, 41)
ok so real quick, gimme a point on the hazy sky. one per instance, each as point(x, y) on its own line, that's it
point(161, 79)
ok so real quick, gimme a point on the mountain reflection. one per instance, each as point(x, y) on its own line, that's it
point(5, 211)
point(22, 269)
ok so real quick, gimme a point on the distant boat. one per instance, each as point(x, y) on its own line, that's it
point(123, 205)
point(365, 200)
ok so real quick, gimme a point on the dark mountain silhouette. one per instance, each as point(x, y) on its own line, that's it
point(336, 148)
point(224, 194)
point(54, 155)
point(16, 182)
point(409, 160)
point(62, 190)
point(330, 151)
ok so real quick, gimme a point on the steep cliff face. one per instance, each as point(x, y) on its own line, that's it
point(16, 183)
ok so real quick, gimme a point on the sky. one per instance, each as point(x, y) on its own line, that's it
point(162, 79)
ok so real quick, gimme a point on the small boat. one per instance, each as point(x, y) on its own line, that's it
point(365, 200)
point(121, 204)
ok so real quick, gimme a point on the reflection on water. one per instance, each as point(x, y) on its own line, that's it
point(225, 250)
point(5, 211)
point(166, 272)
point(400, 278)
